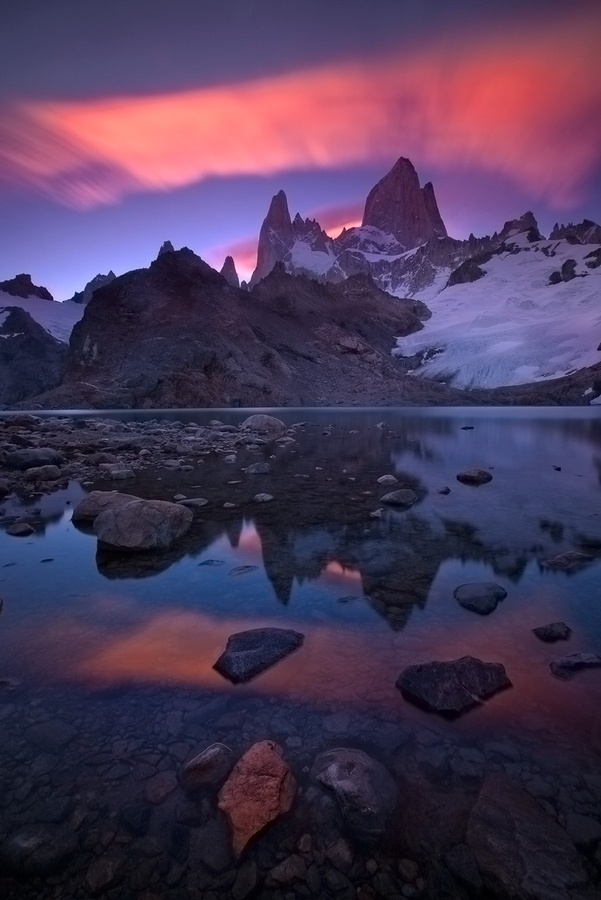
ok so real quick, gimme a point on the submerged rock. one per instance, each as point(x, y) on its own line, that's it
point(474, 476)
point(565, 666)
point(38, 850)
point(555, 631)
point(568, 560)
point(453, 687)
point(521, 852)
point(404, 497)
point(248, 653)
point(480, 597)
point(143, 525)
point(365, 791)
point(28, 459)
point(258, 468)
point(259, 790)
point(209, 767)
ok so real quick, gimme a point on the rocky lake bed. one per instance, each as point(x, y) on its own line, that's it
point(293, 655)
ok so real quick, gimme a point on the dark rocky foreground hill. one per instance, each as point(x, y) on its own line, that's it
point(179, 335)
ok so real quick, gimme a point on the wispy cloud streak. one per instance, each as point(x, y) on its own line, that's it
point(526, 106)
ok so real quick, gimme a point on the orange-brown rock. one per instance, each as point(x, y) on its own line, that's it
point(259, 790)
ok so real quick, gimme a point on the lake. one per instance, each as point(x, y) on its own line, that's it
point(108, 684)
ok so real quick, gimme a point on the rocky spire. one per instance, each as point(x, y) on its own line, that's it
point(275, 239)
point(229, 272)
point(525, 224)
point(433, 211)
point(398, 206)
point(97, 282)
point(166, 247)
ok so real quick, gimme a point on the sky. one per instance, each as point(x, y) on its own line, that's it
point(123, 125)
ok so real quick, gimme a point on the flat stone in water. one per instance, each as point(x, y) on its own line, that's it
point(453, 687)
point(212, 562)
point(248, 653)
point(568, 560)
point(242, 570)
point(480, 597)
point(474, 476)
point(565, 666)
point(555, 631)
point(403, 497)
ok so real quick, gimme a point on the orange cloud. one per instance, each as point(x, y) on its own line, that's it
point(522, 104)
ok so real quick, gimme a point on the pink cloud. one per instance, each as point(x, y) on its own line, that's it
point(523, 104)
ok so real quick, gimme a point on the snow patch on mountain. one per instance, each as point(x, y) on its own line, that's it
point(512, 326)
point(56, 318)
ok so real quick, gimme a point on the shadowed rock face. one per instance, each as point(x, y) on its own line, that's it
point(31, 360)
point(228, 271)
point(451, 688)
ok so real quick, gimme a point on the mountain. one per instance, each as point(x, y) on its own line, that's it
point(402, 242)
point(177, 334)
point(31, 360)
point(228, 270)
point(22, 286)
point(525, 312)
point(98, 281)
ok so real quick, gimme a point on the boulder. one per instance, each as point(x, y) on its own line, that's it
point(258, 468)
point(32, 457)
point(474, 476)
point(259, 790)
point(565, 666)
point(20, 529)
point(38, 850)
point(42, 473)
point(453, 687)
point(521, 852)
point(404, 498)
point(264, 424)
point(209, 767)
point(555, 631)
point(365, 792)
point(143, 525)
point(98, 501)
point(480, 597)
point(248, 653)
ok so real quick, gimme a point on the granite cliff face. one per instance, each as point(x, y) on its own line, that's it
point(178, 335)
point(98, 281)
point(397, 205)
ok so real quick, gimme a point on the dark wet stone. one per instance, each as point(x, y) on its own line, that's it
point(520, 850)
point(104, 872)
point(474, 476)
point(568, 560)
point(291, 869)
point(54, 810)
point(50, 735)
point(258, 468)
point(194, 503)
point(248, 653)
point(480, 597)
point(27, 459)
point(246, 880)
point(462, 863)
point(211, 844)
point(38, 850)
point(556, 631)
point(242, 570)
point(364, 790)
point(136, 817)
point(212, 562)
point(404, 498)
point(565, 666)
point(453, 687)
point(179, 843)
point(20, 529)
point(209, 767)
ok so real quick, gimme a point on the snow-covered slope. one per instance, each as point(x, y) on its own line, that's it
point(512, 325)
point(57, 318)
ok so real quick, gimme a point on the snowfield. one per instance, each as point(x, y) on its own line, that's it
point(511, 326)
point(56, 318)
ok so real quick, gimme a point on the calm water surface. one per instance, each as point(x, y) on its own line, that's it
point(121, 649)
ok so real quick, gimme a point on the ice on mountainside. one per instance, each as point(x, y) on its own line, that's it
point(512, 325)
point(57, 319)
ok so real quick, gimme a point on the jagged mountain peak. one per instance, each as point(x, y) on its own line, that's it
point(97, 282)
point(525, 224)
point(166, 247)
point(22, 286)
point(587, 232)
